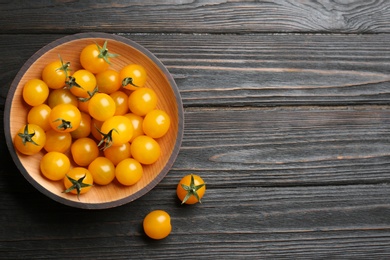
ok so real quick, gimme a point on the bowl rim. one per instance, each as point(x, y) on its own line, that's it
point(80, 204)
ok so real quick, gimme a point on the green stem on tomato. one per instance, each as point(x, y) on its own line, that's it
point(107, 138)
point(26, 137)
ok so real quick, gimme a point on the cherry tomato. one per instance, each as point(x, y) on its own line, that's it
point(56, 73)
point(156, 123)
point(57, 141)
point(82, 83)
point(84, 128)
point(96, 58)
point(108, 81)
point(39, 115)
point(142, 101)
point(137, 125)
point(102, 170)
point(116, 131)
point(118, 153)
point(35, 92)
point(83, 105)
point(61, 96)
point(30, 139)
point(145, 149)
point(128, 172)
point(65, 118)
point(133, 76)
point(121, 102)
point(101, 106)
point(190, 189)
point(96, 125)
point(54, 165)
point(78, 181)
point(157, 224)
point(84, 150)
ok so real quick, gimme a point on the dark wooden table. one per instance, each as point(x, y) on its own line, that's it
point(287, 118)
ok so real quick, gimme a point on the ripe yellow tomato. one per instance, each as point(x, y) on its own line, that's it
point(145, 149)
point(39, 115)
point(61, 96)
point(54, 165)
point(157, 224)
point(56, 73)
point(57, 141)
point(35, 92)
point(96, 125)
point(121, 102)
point(116, 131)
point(96, 58)
point(83, 105)
point(102, 170)
point(84, 150)
point(65, 118)
point(156, 123)
point(128, 172)
point(190, 189)
point(116, 154)
point(108, 81)
point(30, 139)
point(78, 181)
point(142, 100)
point(137, 125)
point(82, 83)
point(101, 106)
point(133, 76)
point(84, 128)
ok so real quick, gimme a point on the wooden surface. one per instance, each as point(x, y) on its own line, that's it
point(287, 119)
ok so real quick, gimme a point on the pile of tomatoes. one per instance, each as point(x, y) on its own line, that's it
point(103, 120)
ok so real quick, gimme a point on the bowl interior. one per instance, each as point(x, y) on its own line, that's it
point(159, 80)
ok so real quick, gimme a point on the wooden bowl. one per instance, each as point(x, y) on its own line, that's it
point(159, 79)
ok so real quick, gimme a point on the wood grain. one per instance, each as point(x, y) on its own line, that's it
point(287, 147)
point(254, 70)
point(262, 223)
point(287, 119)
point(191, 16)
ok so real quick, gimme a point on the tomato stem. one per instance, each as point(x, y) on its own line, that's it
point(104, 53)
point(191, 190)
point(64, 67)
point(77, 185)
point(128, 81)
point(64, 124)
point(90, 95)
point(26, 137)
point(107, 138)
point(71, 82)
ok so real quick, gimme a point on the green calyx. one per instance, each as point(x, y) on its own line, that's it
point(77, 185)
point(128, 81)
point(71, 82)
point(64, 67)
point(26, 137)
point(107, 138)
point(64, 124)
point(191, 190)
point(104, 54)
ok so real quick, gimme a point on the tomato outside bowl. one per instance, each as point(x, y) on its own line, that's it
point(159, 79)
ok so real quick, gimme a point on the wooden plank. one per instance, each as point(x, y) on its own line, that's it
point(252, 70)
point(291, 146)
point(289, 222)
point(196, 16)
